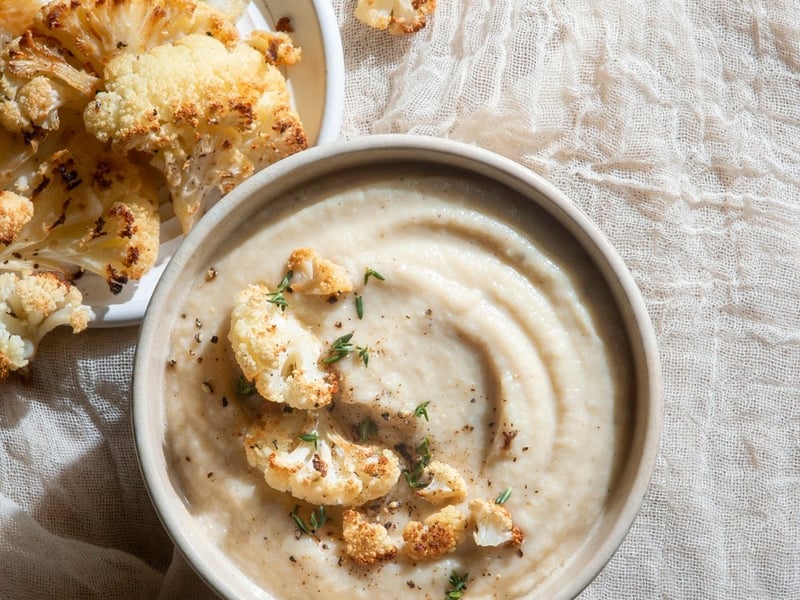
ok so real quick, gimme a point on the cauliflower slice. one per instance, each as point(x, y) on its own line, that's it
point(446, 484)
point(398, 16)
point(366, 543)
point(208, 116)
point(301, 453)
point(278, 354)
point(89, 211)
point(32, 305)
point(438, 536)
point(316, 275)
point(493, 524)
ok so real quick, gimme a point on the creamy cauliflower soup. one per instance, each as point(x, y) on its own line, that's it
point(476, 337)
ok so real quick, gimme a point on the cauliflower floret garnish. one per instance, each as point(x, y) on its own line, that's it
point(446, 485)
point(300, 452)
point(366, 543)
point(32, 305)
point(207, 115)
point(277, 353)
point(398, 16)
point(316, 275)
point(438, 536)
point(493, 524)
point(88, 211)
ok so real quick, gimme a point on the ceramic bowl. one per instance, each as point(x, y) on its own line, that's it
point(361, 162)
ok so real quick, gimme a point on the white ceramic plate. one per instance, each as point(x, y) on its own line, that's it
point(317, 86)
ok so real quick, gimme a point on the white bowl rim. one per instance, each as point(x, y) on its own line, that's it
point(647, 426)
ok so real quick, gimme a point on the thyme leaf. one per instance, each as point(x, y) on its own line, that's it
point(312, 438)
point(318, 518)
point(360, 306)
point(244, 387)
point(503, 497)
point(372, 273)
point(366, 429)
point(414, 475)
point(277, 297)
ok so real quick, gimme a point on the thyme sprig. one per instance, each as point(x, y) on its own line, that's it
point(414, 475)
point(363, 353)
point(458, 585)
point(422, 410)
point(316, 520)
point(277, 296)
point(341, 347)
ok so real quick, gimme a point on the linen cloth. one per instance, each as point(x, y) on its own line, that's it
point(675, 126)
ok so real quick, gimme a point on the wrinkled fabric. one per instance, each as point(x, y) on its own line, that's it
point(675, 126)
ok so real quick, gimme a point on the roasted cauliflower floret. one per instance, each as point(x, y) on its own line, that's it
point(32, 305)
point(493, 524)
point(15, 212)
point(277, 47)
point(446, 485)
point(207, 115)
point(300, 452)
point(438, 536)
point(277, 353)
point(366, 543)
point(398, 16)
point(36, 81)
point(88, 211)
point(94, 32)
point(316, 275)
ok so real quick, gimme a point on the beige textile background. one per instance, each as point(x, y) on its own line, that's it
point(675, 125)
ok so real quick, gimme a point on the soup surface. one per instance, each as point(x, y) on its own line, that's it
point(488, 315)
